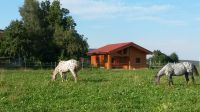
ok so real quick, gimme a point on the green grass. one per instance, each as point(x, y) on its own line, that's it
point(96, 90)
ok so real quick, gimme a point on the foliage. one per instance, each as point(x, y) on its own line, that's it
point(49, 32)
point(161, 58)
point(15, 38)
point(96, 90)
point(174, 57)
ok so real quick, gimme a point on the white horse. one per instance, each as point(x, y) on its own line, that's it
point(66, 66)
point(177, 69)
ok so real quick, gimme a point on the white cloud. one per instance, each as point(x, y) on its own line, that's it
point(112, 9)
point(159, 20)
point(93, 9)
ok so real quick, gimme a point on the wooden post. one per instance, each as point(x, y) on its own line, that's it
point(129, 58)
point(109, 65)
point(199, 62)
point(25, 65)
point(94, 60)
point(82, 64)
point(129, 64)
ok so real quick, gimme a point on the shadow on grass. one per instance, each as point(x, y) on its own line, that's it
point(185, 84)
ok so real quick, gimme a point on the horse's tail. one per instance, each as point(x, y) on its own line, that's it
point(195, 70)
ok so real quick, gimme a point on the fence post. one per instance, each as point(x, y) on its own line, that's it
point(150, 63)
point(40, 65)
point(199, 61)
point(82, 65)
point(25, 65)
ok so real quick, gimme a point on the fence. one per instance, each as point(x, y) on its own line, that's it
point(52, 65)
point(160, 65)
point(35, 65)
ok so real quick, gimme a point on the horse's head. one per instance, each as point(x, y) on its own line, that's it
point(53, 76)
point(157, 78)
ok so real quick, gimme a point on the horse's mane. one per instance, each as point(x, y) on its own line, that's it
point(160, 69)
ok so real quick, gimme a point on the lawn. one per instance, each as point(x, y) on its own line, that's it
point(96, 90)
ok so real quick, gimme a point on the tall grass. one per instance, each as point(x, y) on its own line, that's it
point(96, 90)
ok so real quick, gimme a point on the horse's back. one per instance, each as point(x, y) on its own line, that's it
point(68, 65)
point(65, 66)
point(75, 63)
point(179, 69)
point(188, 66)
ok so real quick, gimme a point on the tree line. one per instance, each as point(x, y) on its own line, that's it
point(159, 58)
point(46, 32)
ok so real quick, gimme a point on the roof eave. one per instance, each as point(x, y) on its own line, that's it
point(97, 53)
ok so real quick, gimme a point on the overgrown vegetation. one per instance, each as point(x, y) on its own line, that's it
point(96, 90)
point(160, 58)
point(45, 33)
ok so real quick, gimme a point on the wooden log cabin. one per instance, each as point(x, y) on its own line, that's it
point(121, 55)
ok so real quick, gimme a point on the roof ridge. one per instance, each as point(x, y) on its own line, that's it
point(112, 47)
point(120, 43)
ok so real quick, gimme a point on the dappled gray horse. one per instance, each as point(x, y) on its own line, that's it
point(65, 66)
point(177, 69)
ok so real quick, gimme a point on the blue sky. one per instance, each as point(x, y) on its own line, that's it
point(167, 25)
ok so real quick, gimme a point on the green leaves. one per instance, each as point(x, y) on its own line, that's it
point(174, 57)
point(161, 58)
point(14, 41)
point(45, 33)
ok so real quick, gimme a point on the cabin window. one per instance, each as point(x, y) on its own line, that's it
point(119, 52)
point(113, 60)
point(97, 59)
point(105, 59)
point(137, 60)
point(123, 60)
point(125, 51)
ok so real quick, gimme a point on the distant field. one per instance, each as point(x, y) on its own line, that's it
point(96, 90)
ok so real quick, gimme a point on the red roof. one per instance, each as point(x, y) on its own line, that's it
point(112, 47)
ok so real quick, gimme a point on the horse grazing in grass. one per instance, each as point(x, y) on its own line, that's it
point(66, 66)
point(177, 69)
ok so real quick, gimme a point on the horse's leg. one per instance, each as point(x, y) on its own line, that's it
point(74, 75)
point(193, 78)
point(54, 75)
point(61, 74)
point(157, 79)
point(65, 76)
point(169, 82)
point(186, 77)
point(170, 79)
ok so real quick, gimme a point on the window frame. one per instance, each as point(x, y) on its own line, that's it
point(138, 60)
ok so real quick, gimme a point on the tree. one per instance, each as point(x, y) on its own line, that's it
point(70, 43)
point(49, 33)
point(161, 58)
point(30, 13)
point(14, 43)
point(174, 57)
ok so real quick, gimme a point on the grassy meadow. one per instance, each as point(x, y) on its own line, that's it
point(97, 90)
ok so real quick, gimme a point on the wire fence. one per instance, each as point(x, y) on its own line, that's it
point(52, 65)
point(35, 65)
